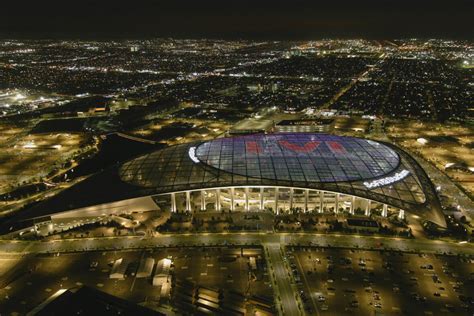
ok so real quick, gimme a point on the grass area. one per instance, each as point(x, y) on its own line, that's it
point(173, 131)
point(27, 157)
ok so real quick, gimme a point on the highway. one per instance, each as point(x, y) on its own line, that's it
point(202, 239)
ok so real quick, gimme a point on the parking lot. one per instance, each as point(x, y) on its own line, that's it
point(46, 274)
point(221, 268)
point(340, 281)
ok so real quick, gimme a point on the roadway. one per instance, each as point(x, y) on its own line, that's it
point(202, 239)
point(282, 280)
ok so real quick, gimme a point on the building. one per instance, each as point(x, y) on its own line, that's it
point(118, 269)
point(88, 301)
point(162, 277)
point(146, 268)
point(304, 126)
point(280, 172)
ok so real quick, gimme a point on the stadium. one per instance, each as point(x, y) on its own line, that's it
point(282, 172)
point(279, 173)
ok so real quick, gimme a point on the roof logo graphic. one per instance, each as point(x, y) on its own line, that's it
point(306, 148)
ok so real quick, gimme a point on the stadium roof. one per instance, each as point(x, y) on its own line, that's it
point(300, 157)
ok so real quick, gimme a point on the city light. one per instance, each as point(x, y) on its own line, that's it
point(233, 176)
point(19, 96)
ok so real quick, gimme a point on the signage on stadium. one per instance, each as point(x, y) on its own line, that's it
point(253, 147)
point(192, 154)
point(387, 180)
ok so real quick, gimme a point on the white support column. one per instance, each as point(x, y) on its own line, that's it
point(368, 208)
point(321, 201)
point(352, 210)
point(188, 201)
point(247, 199)
point(306, 197)
point(203, 200)
point(232, 194)
point(385, 210)
point(173, 202)
point(336, 203)
point(292, 191)
point(262, 205)
point(218, 200)
point(401, 214)
point(276, 201)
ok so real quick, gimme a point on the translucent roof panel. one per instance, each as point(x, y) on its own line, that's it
point(299, 157)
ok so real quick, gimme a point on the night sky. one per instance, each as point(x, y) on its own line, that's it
point(231, 19)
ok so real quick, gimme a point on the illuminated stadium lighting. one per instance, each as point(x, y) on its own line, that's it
point(422, 141)
point(388, 180)
point(19, 96)
point(30, 145)
point(192, 154)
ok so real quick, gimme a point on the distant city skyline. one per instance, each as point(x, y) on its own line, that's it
point(286, 20)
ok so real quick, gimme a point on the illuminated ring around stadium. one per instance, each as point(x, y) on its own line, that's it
point(302, 157)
